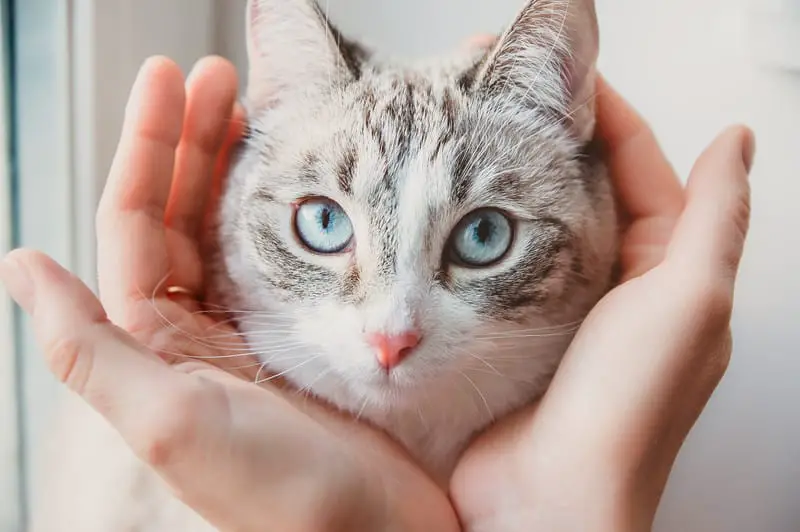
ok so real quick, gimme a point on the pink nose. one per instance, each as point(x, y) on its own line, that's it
point(392, 349)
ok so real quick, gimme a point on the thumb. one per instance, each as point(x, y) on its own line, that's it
point(95, 359)
point(710, 235)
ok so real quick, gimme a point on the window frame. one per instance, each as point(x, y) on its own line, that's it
point(87, 52)
point(11, 503)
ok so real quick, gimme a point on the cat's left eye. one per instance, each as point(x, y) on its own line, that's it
point(482, 238)
point(322, 226)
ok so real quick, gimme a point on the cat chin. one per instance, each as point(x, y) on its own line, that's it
point(435, 415)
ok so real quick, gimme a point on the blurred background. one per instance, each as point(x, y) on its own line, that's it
point(690, 66)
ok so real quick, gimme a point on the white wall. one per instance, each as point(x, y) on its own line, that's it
point(685, 64)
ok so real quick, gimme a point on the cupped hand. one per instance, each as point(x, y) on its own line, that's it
point(596, 452)
point(156, 364)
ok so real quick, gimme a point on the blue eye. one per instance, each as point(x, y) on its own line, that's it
point(322, 226)
point(482, 238)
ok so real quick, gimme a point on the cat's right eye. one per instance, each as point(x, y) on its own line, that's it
point(322, 226)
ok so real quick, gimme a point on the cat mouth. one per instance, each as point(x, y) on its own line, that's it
point(401, 379)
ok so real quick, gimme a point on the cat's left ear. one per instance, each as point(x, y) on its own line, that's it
point(547, 58)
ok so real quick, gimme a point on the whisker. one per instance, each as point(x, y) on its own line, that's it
point(480, 359)
point(501, 375)
point(258, 373)
point(247, 366)
point(363, 407)
point(307, 389)
point(282, 373)
point(480, 394)
point(519, 336)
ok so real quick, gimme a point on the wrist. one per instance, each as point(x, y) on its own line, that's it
point(416, 505)
point(563, 514)
point(564, 500)
point(403, 499)
point(356, 502)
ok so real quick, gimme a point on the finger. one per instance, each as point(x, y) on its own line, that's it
point(133, 259)
point(212, 90)
point(643, 178)
point(236, 130)
point(710, 235)
point(95, 359)
point(176, 429)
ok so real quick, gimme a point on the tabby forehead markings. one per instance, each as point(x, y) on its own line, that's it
point(409, 150)
point(346, 169)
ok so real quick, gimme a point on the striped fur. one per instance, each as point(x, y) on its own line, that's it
point(408, 151)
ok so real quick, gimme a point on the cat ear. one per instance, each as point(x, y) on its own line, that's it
point(294, 49)
point(547, 58)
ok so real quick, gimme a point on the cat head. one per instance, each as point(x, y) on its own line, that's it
point(388, 227)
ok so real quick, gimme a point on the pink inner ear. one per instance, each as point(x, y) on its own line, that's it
point(254, 14)
point(580, 32)
point(252, 10)
point(584, 37)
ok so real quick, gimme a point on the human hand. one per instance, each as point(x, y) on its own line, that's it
point(245, 457)
point(596, 452)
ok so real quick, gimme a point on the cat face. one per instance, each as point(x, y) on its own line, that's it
point(398, 232)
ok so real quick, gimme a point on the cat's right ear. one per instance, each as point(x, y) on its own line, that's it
point(294, 51)
point(546, 59)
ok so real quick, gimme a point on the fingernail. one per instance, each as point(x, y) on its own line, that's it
point(18, 282)
point(749, 150)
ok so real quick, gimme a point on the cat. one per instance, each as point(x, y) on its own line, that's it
point(414, 243)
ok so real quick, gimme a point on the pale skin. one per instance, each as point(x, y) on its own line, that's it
point(594, 454)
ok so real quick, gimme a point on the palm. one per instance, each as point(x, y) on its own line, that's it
point(486, 483)
point(201, 342)
point(160, 188)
